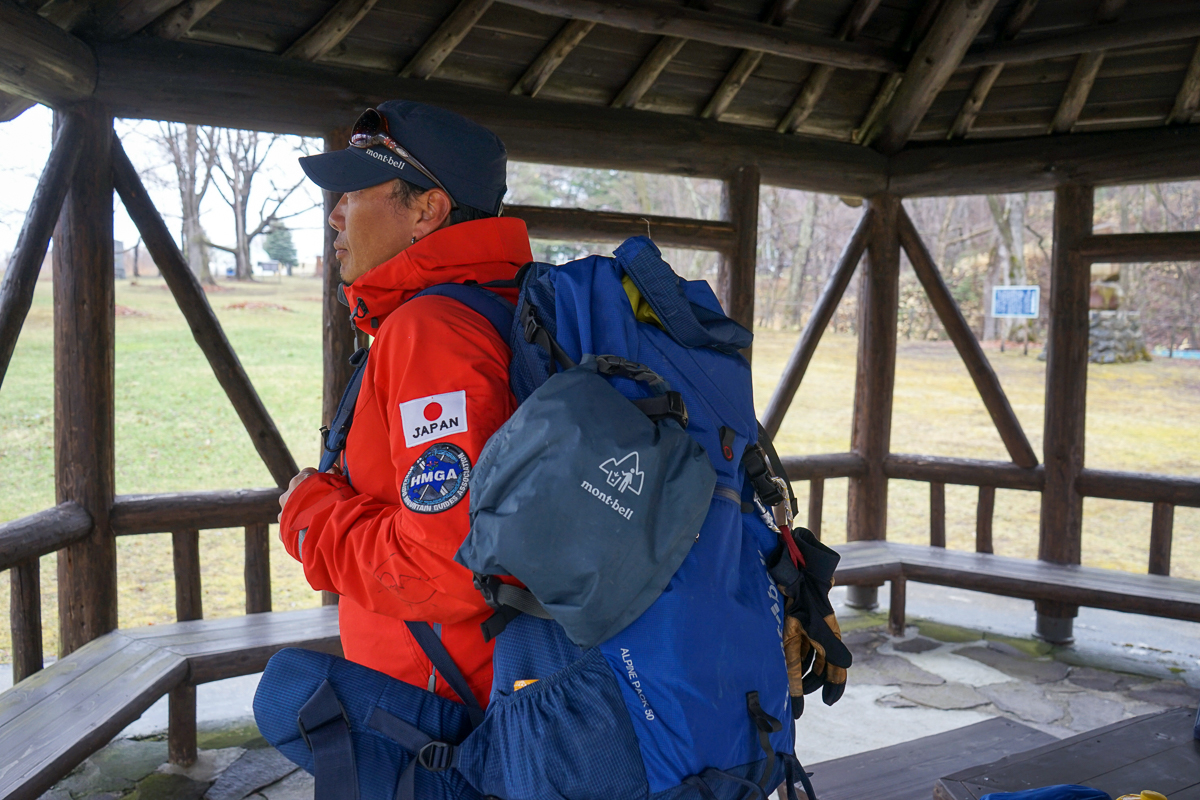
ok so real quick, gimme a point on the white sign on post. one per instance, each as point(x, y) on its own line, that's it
point(1016, 302)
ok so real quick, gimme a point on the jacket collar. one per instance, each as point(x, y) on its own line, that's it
point(482, 250)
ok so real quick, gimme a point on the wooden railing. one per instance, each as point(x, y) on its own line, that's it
point(1163, 491)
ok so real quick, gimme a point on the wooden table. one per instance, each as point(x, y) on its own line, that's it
point(1155, 752)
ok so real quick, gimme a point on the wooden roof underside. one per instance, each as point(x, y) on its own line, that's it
point(902, 84)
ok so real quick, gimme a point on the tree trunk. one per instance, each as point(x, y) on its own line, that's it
point(195, 246)
point(808, 218)
point(241, 248)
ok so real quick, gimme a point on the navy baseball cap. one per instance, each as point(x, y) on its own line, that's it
point(422, 144)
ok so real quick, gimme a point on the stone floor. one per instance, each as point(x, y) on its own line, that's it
point(937, 677)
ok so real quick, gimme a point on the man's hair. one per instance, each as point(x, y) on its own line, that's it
point(404, 193)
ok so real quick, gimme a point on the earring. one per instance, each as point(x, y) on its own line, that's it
point(414, 240)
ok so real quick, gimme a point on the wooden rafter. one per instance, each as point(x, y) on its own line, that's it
point(447, 37)
point(610, 226)
point(115, 21)
point(176, 23)
point(987, 76)
point(1157, 30)
point(1007, 424)
point(748, 60)
point(20, 279)
point(41, 61)
point(869, 127)
point(818, 321)
point(1188, 98)
point(656, 17)
point(648, 71)
point(814, 85)
point(201, 319)
point(567, 39)
point(933, 63)
point(1083, 77)
point(329, 32)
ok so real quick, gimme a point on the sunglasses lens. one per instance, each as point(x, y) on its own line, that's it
point(371, 123)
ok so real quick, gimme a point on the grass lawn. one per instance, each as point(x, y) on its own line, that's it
point(176, 431)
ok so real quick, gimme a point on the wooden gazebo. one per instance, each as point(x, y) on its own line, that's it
point(861, 98)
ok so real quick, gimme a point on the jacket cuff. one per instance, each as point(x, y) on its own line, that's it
point(315, 493)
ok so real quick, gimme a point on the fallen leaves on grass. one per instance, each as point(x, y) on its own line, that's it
point(256, 305)
point(126, 311)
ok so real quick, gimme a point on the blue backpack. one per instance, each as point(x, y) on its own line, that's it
point(689, 699)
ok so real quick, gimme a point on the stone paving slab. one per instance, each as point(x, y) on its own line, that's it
point(251, 772)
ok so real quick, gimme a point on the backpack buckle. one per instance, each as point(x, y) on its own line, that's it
point(436, 756)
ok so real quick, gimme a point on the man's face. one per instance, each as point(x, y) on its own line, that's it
point(372, 228)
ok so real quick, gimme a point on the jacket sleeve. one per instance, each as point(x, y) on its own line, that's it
point(391, 556)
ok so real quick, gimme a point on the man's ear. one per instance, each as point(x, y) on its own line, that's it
point(435, 209)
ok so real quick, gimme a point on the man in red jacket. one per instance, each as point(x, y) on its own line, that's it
point(422, 191)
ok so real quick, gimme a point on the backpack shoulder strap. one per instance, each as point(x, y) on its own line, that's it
point(491, 306)
point(333, 438)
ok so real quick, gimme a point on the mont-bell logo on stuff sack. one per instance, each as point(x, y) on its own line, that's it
point(433, 417)
point(623, 475)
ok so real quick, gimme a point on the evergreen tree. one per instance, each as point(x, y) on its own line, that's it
point(279, 245)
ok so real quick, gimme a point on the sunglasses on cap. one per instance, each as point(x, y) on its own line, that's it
point(372, 129)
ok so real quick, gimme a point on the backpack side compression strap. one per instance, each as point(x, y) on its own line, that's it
point(326, 730)
point(443, 662)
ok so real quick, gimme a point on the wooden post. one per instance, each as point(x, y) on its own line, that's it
point(25, 615)
point(816, 503)
point(1061, 526)
point(896, 607)
point(258, 568)
point(736, 273)
point(83, 384)
point(878, 303)
point(937, 514)
point(181, 702)
point(1161, 524)
point(983, 519)
point(337, 332)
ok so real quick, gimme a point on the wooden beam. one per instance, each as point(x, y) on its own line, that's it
point(747, 61)
point(736, 272)
point(1044, 162)
point(1140, 487)
point(120, 20)
point(42, 62)
point(26, 538)
point(818, 78)
point(176, 23)
point(655, 17)
point(25, 618)
point(20, 279)
point(868, 129)
point(84, 361)
point(170, 511)
point(329, 32)
point(870, 436)
point(610, 226)
point(189, 605)
point(1188, 98)
point(648, 71)
point(337, 330)
point(567, 39)
point(206, 329)
point(977, 364)
point(988, 75)
point(447, 37)
point(1066, 379)
point(816, 502)
point(937, 514)
point(896, 602)
point(1140, 248)
point(825, 466)
point(1162, 522)
point(208, 84)
point(818, 321)
point(931, 66)
point(1157, 30)
point(963, 472)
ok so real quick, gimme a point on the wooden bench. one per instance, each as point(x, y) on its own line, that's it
point(871, 563)
point(59, 716)
point(908, 771)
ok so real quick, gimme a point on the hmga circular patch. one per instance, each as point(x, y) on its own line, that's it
point(438, 480)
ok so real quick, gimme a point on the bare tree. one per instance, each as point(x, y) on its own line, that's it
point(243, 156)
point(193, 151)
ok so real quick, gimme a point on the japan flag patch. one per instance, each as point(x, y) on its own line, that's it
point(429, 418)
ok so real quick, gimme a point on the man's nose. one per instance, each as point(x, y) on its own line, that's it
point(337, 217)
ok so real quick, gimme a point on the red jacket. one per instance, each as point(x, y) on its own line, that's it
point(435, 388)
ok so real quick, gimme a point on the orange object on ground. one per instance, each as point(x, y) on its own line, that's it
point(435, 388)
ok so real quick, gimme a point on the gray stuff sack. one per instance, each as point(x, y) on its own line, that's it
point(587, 501)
